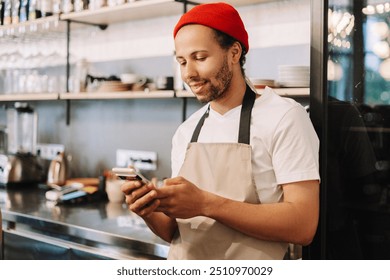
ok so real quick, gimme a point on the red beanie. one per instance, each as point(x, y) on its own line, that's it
point(220, 16)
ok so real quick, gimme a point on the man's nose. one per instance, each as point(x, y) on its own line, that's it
point(189, 71)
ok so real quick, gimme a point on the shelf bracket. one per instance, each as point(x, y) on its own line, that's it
point(186, 2)
point(101, 26)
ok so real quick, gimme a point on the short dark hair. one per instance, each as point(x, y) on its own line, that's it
point(226, 41)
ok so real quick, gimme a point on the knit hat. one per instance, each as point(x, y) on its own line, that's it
point(219, 16)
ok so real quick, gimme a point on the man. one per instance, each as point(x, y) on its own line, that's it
point(245, 179)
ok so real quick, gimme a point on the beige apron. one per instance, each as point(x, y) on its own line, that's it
point(224, 169)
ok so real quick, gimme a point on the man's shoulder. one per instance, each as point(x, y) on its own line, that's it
point(272, 104)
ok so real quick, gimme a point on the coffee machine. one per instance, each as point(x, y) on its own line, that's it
point(19, 163)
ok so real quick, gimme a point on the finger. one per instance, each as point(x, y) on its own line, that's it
point(166, 210)
point(164, 192)
point(141, 202)
point(129, 186)
point(173, 181)
point(165, 204)
point(140, 192)
point(149, 208)
point(154, 181)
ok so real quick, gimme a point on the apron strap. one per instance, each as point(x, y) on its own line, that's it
point(245, 118)
point(198, 127)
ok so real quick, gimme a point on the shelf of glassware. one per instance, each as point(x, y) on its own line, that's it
point(141, 9)
point(293, 92)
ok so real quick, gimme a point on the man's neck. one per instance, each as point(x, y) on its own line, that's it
point(231, 99)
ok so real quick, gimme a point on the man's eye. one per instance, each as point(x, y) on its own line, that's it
point(201, 58)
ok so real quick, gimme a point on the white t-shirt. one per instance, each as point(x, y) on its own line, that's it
point(285, 147)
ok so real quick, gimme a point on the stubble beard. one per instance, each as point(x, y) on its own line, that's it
point(224, 77)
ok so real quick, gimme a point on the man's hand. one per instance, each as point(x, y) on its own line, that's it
point(179, 198)
point(140, 197)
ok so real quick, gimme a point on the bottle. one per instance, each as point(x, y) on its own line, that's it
point(32, 10)
point(15, 4)
point(67, 6)
point(78, 5)
point(23, 11)
point(7, 12)
point(46, 8)
point(38, 9)
point(56, 7)
point(1, 12)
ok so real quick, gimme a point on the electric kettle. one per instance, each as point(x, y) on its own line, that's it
point(58, 170)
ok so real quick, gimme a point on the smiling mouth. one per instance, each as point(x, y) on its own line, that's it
point(197, 86)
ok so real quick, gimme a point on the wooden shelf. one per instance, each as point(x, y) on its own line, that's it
point(126, 12)
point(238, 3)
point(281, 91)
point(29, 97)
point(141, 9)
point(118, 95)
point(88, 95)
point(290, 91)
point(128, 95)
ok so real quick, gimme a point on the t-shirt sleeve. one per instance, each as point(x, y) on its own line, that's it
point(295, 150)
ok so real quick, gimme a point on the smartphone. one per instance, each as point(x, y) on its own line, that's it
point(129, 174)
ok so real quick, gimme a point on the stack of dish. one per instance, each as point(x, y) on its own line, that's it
point(293, 76)
point(110, 86)
point(262, 83)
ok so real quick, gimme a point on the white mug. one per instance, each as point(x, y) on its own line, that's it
point(113, 190)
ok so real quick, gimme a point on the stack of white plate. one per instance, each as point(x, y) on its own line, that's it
point(294, 76)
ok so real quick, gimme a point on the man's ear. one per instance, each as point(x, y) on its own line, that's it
point(236, 50)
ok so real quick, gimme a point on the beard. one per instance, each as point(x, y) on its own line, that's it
point(224, 77)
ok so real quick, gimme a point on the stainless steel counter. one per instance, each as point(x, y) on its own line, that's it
point(105, 228)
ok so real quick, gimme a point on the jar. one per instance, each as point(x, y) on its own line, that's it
point(80, 76)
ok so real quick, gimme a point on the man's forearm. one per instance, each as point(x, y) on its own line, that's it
point(293, 221)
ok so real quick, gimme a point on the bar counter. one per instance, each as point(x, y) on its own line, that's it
point(99, 229)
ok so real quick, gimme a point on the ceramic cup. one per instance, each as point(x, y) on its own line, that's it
point(113, 190)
